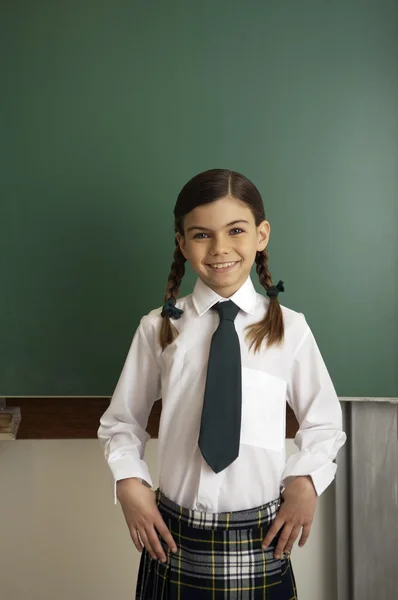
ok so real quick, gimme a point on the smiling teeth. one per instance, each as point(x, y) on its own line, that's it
point(223, 265)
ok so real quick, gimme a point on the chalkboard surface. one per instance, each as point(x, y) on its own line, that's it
point(109, 107)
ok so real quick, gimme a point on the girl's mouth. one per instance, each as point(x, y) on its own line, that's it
point(223, 267)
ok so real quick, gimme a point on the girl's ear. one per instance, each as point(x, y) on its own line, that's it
point(181, 242)
point(263, 232)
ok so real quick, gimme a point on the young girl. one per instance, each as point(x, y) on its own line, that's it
point(224, 360)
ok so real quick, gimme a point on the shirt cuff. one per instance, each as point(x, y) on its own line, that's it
point(322, 473)
point(127, 467)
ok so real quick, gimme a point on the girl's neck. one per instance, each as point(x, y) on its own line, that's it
point(227, 291)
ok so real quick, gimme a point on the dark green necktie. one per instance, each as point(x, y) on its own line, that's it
point(219, 436)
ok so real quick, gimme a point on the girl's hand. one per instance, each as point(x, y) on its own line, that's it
point(143, 517)
point(296, 512)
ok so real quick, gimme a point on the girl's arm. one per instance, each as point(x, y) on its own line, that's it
point(122, 430)
point(312, 396)
point(308, 472)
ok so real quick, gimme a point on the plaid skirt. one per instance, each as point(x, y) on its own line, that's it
point(219, 557)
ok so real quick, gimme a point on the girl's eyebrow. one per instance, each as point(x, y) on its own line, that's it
point(207, 228)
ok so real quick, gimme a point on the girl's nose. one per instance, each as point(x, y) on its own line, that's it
point(220, 245)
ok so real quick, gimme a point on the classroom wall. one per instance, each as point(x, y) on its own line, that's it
point(62, 538)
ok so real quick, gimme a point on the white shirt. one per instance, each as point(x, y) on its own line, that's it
point(293, 372)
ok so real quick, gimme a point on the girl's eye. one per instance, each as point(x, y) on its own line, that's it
point(203, 235)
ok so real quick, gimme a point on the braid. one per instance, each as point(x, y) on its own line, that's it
point(263, 272)
point(271, 327)
point(168, 332)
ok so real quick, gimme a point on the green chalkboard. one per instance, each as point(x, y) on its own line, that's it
point(109, 107)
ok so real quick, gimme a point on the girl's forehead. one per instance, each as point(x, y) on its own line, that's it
point(219, 213)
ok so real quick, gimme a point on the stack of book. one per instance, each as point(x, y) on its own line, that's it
point(10, 419)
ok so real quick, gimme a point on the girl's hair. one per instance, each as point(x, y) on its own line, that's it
point(204, 188)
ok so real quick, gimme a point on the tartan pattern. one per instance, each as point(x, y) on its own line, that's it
point(219, 558)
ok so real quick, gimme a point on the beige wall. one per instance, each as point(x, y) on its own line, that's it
point(62, 538)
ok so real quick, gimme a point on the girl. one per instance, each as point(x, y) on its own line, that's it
point(224, 360)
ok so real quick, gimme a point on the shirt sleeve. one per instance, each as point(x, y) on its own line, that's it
point(122, 432)
point(312, 397)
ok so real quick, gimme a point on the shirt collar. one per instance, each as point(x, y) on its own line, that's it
point(204, 298)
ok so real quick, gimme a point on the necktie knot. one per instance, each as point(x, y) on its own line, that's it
point(227, 310)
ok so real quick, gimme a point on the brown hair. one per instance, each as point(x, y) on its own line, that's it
point(204, 188)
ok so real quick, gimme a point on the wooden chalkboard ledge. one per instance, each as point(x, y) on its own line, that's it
point(78, 417)
point(390, 400)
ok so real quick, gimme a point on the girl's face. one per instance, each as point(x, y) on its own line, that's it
point(220, 241)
